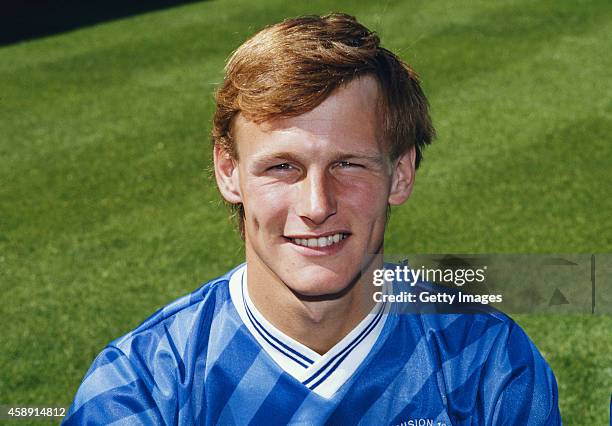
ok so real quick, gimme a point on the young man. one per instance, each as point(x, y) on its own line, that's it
point(317, 131)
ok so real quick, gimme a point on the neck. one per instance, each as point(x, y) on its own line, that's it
point(317, 322)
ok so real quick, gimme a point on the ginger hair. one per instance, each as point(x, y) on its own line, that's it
point(291, 67)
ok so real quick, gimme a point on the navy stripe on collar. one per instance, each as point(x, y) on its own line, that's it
point(344, 353)
point(280, 346)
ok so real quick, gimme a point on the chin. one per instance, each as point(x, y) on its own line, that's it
point(322, 283)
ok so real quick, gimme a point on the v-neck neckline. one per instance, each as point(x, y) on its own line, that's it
point(322, 374)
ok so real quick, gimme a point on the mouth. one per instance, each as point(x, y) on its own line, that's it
point(319, 242)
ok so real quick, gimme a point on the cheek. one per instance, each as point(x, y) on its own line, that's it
point(367, 198)
point(265, 207)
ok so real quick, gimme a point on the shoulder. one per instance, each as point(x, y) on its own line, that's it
point(488, 365)
point(178, 319)
point(138, 374)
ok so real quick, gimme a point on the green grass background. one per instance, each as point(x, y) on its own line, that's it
point(107, 212)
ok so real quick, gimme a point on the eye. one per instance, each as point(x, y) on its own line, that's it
point(348, 164)
point(282, 166)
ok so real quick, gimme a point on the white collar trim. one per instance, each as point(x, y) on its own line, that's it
point(323, 374)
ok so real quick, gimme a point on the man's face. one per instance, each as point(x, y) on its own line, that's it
point(315, 190)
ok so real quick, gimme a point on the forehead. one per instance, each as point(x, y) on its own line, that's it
point(348, 120)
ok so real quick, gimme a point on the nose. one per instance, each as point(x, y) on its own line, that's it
point(317, 200)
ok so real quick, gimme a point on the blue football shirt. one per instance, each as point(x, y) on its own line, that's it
point(211, 358)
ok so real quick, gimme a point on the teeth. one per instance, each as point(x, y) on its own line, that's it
point(321, 241)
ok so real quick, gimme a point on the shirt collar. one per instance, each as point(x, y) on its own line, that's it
point(323, 374)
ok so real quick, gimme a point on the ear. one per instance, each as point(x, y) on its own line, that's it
point(227, 176)
point(402, 177)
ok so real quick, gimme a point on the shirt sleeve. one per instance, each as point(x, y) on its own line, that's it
point(113, 390)
point(520, 387)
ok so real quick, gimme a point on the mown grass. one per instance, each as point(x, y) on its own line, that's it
point(107, 212)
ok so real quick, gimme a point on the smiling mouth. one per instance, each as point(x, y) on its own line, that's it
point(320, 241)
